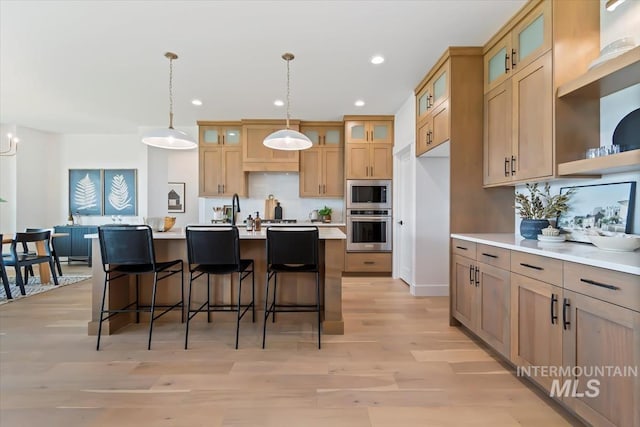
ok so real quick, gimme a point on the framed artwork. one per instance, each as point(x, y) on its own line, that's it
point(175, 197)
point(85, 192)
point(601, 207)
point(120, 192)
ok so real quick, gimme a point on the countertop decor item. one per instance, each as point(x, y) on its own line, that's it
point(598, 208)
point(627, 133)
point(616, 243)
point(538, 207)
point(325, 214)
point(170, 138)
point(169, 222)
point(550, 232)
point(287, 139)
point(613, 49)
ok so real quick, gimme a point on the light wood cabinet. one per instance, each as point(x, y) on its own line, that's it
point(220, 160)
point(540, 48)
point(480, 298)
point(536, 325)
point(322, 166)
point(561, 315)
point(432, 108)
point(602, 335)
point(369, 147)
point(258, 158)
point(367, 262)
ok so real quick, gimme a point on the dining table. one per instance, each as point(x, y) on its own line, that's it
point(44, 269)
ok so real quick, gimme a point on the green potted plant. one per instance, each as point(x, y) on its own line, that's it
point(325, 214)
point(537, 207)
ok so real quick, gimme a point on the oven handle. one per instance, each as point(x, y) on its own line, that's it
point(368, 218)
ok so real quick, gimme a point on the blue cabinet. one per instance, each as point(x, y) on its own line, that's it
point(75, 247)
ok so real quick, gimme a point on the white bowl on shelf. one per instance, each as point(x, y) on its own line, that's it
point(619, 243)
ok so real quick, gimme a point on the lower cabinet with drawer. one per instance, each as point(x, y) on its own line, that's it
point(569, 316)
point(368, 262)
point(74, 246)
point(480, 295)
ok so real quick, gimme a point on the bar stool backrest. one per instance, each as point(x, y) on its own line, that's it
point(209, 245)
point(127, 245)
point(291, 245)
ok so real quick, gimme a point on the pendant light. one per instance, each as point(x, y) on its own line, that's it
point(287, 139)
point(170, 138)
point(13, 146)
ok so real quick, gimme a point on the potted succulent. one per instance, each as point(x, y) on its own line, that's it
point(536, 208)
point(325, 214)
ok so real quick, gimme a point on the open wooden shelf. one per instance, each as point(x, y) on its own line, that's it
point(614, 75)
point(627, 161)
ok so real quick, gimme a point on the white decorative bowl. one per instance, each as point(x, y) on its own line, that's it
point(620, 243)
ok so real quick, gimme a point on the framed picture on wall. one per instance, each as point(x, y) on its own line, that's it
point(175, 197)
point(85, 192)
point(598, 208)
point(120, 192)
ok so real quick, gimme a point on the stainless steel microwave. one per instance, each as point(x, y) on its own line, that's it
point(369, 194)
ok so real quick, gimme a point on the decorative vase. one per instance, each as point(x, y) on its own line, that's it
point(530, 228)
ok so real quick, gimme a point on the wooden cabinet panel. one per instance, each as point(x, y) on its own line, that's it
point(537, 267)
point(369, 147)
point(210, 176)
point(497, 135)
point(381, 162)
point(423, 135)
point(379, 262)
point(536, 325)
point(322, 166)
point(599, 335)
point(257, 157)
point(493, 255)
point(234, 179)
point(532, 89)
point(464, 290)
point(464, 248)
point(494, 305)
point(611, 286)
point(440, 126)
point(497, 63)
point(531, 37)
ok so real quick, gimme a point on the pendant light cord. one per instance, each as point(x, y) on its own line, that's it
point(288, 57)
point(171, 57)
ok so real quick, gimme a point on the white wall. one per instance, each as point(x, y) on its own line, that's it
point(8, 185)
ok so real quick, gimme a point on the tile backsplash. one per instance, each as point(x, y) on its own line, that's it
point(285, 188)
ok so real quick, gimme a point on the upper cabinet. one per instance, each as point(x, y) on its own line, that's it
point(258, 158)
point(322, 165)
point(220, 160)
point(369, 147)
point(432, 106)
point(542, 47)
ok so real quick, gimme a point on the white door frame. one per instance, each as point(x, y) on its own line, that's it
point(404, 184)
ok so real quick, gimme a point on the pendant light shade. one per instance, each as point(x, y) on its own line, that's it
point(287, 139)
point(170, 138)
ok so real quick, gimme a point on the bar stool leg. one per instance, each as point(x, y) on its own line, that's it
point(186, 335)
point(104, 296)
point(253, 295)
point(318, 305)
point(153, 307)
point(266, 312)
point(208, 298)
point(239, 307)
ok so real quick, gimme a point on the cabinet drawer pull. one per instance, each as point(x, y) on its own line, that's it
point(565, 314)
point(506, 63)
point(369, 262)
point(462, 247)
point(506, 166)
point(471, 274)
point(535, 267)
point(554, 302)
point(477, 277)
point(513, 59)
point(602, 285)
point(490, 255)
point(513, 165)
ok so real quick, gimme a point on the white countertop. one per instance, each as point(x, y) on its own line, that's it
point(582, 253)
point(325, 233)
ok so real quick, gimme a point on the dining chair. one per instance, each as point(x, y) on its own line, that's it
point(216, 251)
point(21, 259)
point(291, 250)
point(3, 273)
point(52, 248)
point(128, 250)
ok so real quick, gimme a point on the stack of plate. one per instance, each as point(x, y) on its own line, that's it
point(551, 239)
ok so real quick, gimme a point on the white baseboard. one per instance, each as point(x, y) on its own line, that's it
point(430, 290)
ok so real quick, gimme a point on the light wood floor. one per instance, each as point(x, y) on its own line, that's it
point(398, 364)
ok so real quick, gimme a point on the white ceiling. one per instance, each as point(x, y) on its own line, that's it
point(99, 67)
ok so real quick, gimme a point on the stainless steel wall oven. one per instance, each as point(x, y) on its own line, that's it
point(369, 230)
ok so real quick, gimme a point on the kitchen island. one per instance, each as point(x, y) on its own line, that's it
point(299, 288)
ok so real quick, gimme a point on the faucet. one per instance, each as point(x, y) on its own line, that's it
point(235, 207)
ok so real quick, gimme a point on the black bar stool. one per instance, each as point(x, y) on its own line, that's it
point(216, 250)
point(291, 250)
point(126, 250)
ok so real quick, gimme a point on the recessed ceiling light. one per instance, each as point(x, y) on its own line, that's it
point(359, 103)
point(196, 102)
point(278, 102)
point(377, 60)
